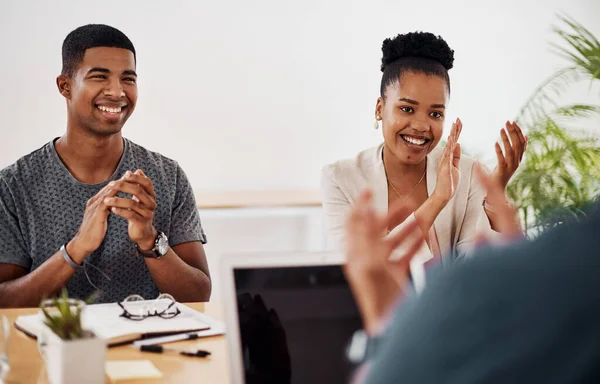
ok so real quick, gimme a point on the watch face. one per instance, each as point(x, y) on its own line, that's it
point(162, 245)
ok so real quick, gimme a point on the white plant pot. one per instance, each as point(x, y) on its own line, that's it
point(73, 361)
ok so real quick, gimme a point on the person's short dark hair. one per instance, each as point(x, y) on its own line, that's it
point(421, 52)
point(90, 36)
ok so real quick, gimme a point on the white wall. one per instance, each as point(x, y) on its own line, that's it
point(260, 94)
point(246, 230)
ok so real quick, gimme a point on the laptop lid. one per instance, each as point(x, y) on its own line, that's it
point(289, 317)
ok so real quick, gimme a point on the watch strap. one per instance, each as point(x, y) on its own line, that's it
point(155, 252)
point(151, 253)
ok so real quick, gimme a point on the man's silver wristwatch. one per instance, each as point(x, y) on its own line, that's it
point(161, 246)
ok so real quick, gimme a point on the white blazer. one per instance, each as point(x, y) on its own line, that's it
point(456, 226)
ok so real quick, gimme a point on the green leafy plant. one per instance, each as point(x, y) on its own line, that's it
point(581, 49)
point(560, 174)
point(64, 319)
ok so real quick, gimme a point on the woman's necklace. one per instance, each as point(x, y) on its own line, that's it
point(412, 190)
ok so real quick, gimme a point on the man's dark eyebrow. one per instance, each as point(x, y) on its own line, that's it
point(98, 69)
point(439, 106)
point(129, 72)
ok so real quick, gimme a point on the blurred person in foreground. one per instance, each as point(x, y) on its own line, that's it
point(523, 312)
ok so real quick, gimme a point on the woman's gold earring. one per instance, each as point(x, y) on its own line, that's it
point(376, 125)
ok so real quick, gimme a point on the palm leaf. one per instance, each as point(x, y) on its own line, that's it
point(578, 110)
point(544, 97)
point(582, 50)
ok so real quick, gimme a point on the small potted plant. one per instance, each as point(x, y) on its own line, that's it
point(72, 353)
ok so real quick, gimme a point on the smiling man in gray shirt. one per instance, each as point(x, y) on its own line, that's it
point(92, 210)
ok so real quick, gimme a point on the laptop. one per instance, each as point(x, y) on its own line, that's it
point(289, 316)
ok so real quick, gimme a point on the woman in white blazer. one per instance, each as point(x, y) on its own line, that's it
point(439, 183)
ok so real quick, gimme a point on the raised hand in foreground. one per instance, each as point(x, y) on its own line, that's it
point(374, 279)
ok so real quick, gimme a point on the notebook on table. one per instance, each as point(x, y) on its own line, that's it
point(105, 321)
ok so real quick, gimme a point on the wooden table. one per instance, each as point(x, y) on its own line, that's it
point(26, 365)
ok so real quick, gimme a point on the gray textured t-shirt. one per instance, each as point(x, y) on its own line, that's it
point(42, 205)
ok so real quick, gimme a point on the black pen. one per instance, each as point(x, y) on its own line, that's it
point(170, 338)
point(184, 352)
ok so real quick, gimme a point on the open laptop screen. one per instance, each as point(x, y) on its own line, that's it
point(295, 323)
